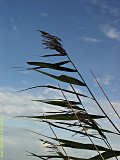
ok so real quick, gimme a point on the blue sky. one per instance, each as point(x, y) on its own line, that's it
point(90, 30)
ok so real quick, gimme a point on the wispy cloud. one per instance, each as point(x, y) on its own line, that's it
point(111, 32)
point(91, 39)
point(15, 28)
point(12, 103)
point(106, 80)
point(110, 9)
point(44, 14)
point(105, 7)
point(17, 140)
point(12, 20)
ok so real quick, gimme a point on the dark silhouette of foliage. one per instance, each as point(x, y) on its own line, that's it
point(74, 117)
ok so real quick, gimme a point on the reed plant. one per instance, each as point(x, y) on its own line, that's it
point(73, 116)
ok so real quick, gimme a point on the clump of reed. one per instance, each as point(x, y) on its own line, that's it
point(74, 117)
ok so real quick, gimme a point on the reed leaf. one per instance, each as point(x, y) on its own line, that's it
point(71, 130)
point(61, 103)
point(54, 156)
point(87, 127)
point(52, 55)
point(80, 119)
point(88, 116)
point(106, 155)
point(56, 88)
point(95, 126)
point(76, 145)
point(63, 78)
point(66, 117)
point(51, 66)
point(61, 63)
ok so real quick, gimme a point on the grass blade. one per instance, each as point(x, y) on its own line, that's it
point(51, 66)
point(63, 78)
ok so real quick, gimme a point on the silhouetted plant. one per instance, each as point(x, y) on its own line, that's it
point(74, 117)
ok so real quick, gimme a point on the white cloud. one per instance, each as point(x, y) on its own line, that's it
point(90, 39)
point(117, 21)
point(12, 20)
point(109, 9)
point(13, 103)
point(106, 7)
point(20, 103)
point(106, 80)
point(17, 142)
point(15, 28)
point(111, 32)
point(44, 14)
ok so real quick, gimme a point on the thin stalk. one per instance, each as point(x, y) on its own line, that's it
point(58, 141)
point(105, 94)
point(105, 140)
point(93, 95)
point(81, 124)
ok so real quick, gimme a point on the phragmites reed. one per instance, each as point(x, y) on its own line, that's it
point(74, 117)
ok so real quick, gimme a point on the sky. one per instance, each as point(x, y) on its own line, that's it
point(90, 32)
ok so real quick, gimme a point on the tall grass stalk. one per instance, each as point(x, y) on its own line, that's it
point(105, 94)
point(73, 111)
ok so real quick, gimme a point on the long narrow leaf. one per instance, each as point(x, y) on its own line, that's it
point(106, 155)
point(61, 63)
point(52, 87)
point(76, 145)
point(63, 78)
point(66, 116)
point(87, 127)
point(52, 55)
point(53, 117)
point(51, 66)
point(62, 103)
point(55, 156)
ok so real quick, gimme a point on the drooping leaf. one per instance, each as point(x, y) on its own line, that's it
point(103, 130)
point(108, 131)
point(67, 116)
point(62, 63)
point(71, 130)
point(51, 55)
point(55, 156)
point(52, 87)
point(51, 66)
point(54, 117)
point(63, 78)
point(43, 64)
point(76, 145)
point(70, 124)
point(106, 155)
point(74, 131)
point(95, 126)
point(87, 127)
point(54, 125)
point(88, 116)
point(62, 103)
